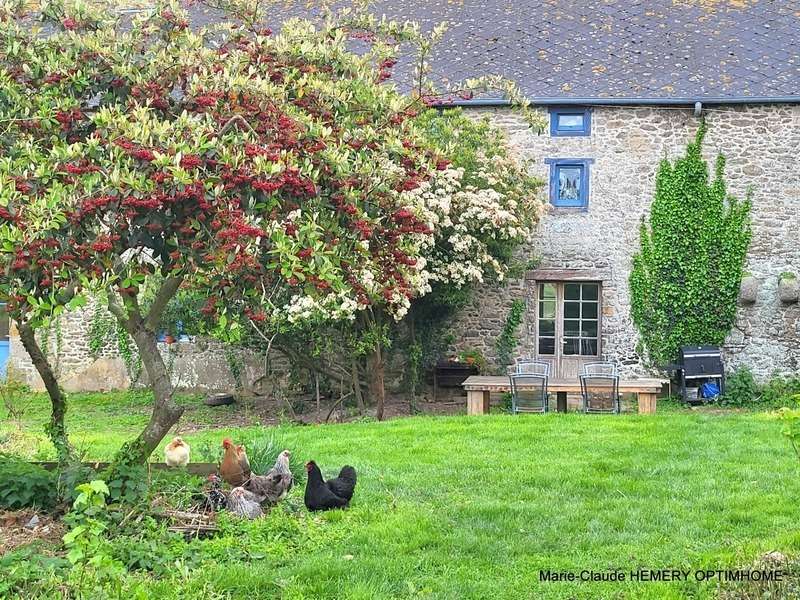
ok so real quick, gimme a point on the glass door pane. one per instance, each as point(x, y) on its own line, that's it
point(581, 319)
point(546, 323)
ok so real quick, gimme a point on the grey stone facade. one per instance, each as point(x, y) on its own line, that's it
point(761, 144)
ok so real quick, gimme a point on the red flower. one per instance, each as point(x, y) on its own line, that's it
point(305, 253)
point(69, 23)
point(191, 161)
point(102, 244)
point(206, 100)
point(290, 229)
point(143, 154)
point(265, 185)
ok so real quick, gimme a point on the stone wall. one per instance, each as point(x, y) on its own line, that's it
point(761, 145)
point(198, 364)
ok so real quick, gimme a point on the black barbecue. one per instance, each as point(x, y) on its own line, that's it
point(698, 365)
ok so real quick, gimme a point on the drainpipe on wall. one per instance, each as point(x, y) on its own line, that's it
point(698, 108)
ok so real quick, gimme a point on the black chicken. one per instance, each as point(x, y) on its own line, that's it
point(213, 498)
point(335, 493)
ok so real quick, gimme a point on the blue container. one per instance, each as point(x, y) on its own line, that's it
point(4, 352)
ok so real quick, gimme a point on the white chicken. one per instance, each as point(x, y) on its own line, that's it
point(176, 453)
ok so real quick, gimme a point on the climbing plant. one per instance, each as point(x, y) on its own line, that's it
point(506, 342)
point(686, 275)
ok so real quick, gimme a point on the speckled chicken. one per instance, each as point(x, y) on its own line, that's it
point(272, 487)
point(244, 503)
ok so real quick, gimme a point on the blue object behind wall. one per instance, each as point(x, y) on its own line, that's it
point(3, 358)
point(4, 345)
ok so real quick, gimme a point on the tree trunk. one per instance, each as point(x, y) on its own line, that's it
point(56, 429)
point(165, 412)
point(377, 391)
point(142, 329)
point(356, 380)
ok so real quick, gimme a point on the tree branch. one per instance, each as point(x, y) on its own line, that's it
point(165, 293)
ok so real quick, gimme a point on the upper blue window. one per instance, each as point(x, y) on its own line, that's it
point(570, 121)
point(569, 182)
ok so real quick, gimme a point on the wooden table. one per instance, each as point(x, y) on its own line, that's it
point(479, 387)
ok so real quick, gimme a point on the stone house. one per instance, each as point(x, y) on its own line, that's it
point(624, 84)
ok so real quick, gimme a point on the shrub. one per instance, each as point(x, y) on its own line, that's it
point(741, 389)
point(23, 484)
point(15, 397)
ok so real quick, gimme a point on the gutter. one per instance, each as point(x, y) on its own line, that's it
point(687, 102)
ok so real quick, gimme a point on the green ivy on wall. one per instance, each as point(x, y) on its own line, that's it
point(686, 276)
point(507, 340)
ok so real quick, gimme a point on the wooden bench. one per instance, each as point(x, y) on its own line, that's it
point(478, 388)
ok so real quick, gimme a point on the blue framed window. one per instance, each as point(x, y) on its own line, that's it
point(570, 121)
point(569, 182)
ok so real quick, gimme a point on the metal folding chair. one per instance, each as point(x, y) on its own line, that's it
point(600, 393)
point(528, 393)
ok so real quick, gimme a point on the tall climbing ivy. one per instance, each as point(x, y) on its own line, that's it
point(686, 275)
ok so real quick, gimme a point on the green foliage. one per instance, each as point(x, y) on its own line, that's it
point(15, 396)
point(742, 390)
point(686, 276)
point(473, 356)
point(88, 549)
point(263, 451)
point(127, 482)
point(23, 484)
point(790, 418)
point(507, 340)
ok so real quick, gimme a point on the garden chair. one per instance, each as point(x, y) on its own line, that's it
point(600, 368)
point(532, 367)
point(600, 393)
point(528, 393)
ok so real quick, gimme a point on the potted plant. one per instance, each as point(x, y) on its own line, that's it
point(473, 357)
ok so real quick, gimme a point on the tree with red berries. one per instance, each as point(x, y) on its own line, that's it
point(266, 171)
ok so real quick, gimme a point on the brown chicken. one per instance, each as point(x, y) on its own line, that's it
point(235, 468)
point(272, 487)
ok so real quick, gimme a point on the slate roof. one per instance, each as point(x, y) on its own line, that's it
point(621, 49)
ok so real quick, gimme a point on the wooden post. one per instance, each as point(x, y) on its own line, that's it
point(477, 402)
point(561, 402)
point(647, 403)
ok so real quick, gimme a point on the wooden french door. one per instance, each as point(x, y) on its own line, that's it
point(568, 325)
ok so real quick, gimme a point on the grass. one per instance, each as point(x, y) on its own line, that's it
point(474, 507)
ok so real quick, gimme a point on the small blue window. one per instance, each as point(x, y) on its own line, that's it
point(569, 182)
point(565, 121)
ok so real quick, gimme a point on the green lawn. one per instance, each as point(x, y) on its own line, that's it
point(474, 507)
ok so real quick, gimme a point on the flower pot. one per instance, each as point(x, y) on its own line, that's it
point(169, 339)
